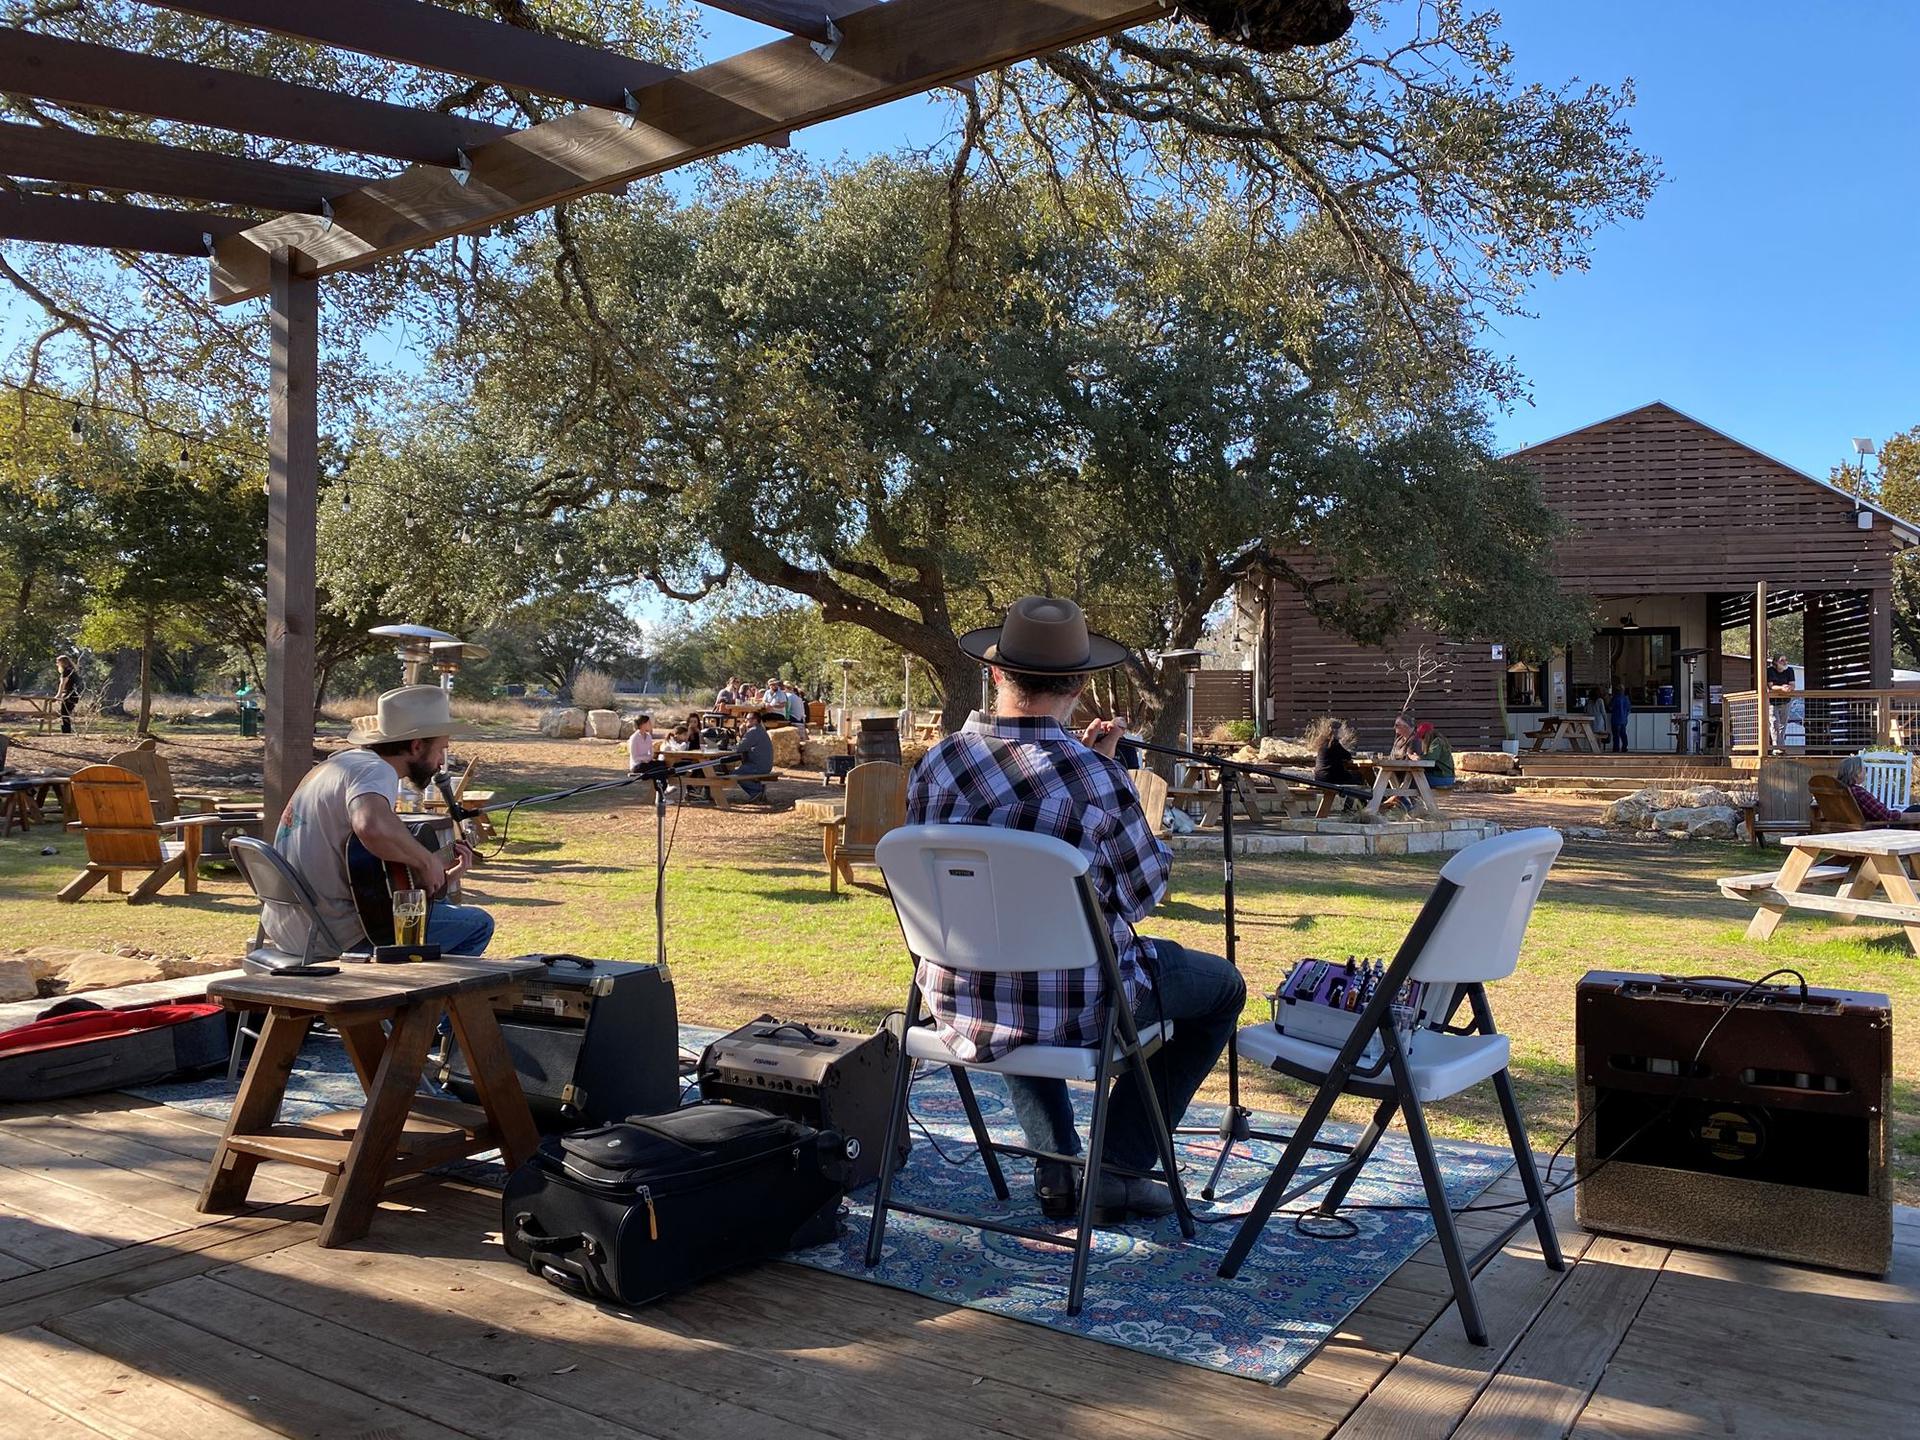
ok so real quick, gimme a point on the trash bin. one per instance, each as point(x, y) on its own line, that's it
point(249, 718)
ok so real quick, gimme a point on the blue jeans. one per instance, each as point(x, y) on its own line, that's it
point(1202, 995)
point(459, 929)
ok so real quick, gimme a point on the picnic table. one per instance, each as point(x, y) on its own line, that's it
point(1858, 864)
point(1395, 777)
point(387, 1017)
point(23, 799)
point(1575, 730)
point(40, 705)
point(715, 785)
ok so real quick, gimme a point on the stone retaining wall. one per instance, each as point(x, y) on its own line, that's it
point(1334, 837)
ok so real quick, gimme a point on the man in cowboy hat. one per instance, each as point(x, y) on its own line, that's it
point(1020, 768)
point(354, 793)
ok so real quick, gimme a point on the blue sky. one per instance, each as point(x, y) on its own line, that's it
point(1772, 289)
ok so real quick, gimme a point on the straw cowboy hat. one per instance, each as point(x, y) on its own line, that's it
point(1043, 636)
point(413, 712)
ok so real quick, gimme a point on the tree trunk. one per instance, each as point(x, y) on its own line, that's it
point(959, 691)
point(146, 673)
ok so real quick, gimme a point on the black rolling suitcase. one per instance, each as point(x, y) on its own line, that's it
point(635, 1210)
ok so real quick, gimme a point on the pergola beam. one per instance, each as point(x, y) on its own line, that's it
point(797, 17)
point(107, 162)
point(435, 38)
point(56, 220)
point(99, 77)
point(888, 51)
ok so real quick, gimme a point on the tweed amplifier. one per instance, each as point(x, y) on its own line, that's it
point(1775, 1142)
point(830, 1077)
point(591, 1040)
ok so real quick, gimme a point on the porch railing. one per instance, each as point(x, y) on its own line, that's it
point(1821, 722)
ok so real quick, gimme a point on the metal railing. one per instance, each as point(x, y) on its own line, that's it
point(1820, 722)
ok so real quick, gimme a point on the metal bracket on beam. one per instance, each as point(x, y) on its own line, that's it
point(826, 49)
point(970, 87)
point(630, 109)
point(462, 167)
point(206, 239)
point(326, 214)
point(779, 140)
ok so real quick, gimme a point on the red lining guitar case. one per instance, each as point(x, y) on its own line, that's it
point(96, 1049)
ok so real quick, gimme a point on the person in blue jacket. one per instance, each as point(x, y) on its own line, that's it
point(1619, 708)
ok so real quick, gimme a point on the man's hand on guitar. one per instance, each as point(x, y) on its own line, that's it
point(465, 857)
point(433, 876)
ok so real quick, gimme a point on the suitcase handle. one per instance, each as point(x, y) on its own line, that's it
point(539, 1245)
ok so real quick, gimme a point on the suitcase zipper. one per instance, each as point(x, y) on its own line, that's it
point(645, 1192)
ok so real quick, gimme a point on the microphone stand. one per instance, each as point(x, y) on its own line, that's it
point(1236, 1125)
point(661, 775)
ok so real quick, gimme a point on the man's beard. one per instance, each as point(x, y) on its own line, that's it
point(421, 774)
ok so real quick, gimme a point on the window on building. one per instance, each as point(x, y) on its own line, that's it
point(1646, 661)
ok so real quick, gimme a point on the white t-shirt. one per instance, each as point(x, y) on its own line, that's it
point(640, 747)
point(313, 838)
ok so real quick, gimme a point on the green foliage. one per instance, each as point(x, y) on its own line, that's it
point(556, 637)
point(1896, 486)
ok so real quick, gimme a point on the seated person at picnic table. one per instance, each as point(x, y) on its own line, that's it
point(1406, 738)
point(640, 744)
point(756, 756)
point(729, 693)
point(1019, 768)
point(1332, 741)
point(1439, 752)
point(354, 793)
point(1852, 773)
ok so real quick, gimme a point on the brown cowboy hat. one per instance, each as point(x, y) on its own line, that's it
point(1043, 636)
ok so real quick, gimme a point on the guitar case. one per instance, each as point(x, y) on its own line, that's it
point(87, 1050)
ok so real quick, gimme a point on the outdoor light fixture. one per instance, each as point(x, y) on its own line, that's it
point(1188, 663)
point(449, 655)
point(846, 674)
point(1863, 517)
point(1863, 447)
point(1626, 623)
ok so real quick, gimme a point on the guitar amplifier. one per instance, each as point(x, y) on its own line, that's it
point(827, 1076)
point(1775, 1143)
point(592, 1041)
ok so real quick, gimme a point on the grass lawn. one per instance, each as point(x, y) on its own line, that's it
point(751, 928)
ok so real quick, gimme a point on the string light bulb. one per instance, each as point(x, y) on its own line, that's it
point(346, 496)
point(76, 422)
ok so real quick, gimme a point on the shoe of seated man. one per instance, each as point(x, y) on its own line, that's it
point(1054, 1185)
point(1121, 1196)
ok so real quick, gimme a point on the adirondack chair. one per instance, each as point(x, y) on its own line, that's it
point(114, 815)
point(1832, 807)
point(876, 803)
point(1152, 790)
point(151, 766)
point(1888, 777)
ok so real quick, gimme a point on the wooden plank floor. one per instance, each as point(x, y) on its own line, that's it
point(125, 1313)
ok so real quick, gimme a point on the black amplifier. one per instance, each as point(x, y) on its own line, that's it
point(827, 1076)
point(592, 1041)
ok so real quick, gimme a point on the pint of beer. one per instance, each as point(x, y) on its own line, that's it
point(409, 917)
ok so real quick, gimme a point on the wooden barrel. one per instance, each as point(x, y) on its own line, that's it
point(879, 738)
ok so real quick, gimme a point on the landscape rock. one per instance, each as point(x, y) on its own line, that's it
point(1285, 750)
point(1699, 822)
point(563, 722)
point(178, 967)
point(1586, 832)
point(603, 724)
point(17, 981)
point(1486, 762)
point(787, 745)
point(1636, 811)
point(102, 972)
point(1481, 784)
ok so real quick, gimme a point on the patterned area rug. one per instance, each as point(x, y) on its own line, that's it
point(1146, 1288)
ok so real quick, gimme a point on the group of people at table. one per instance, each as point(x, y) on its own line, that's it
point(1333, 740)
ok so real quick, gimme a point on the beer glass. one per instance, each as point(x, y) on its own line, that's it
point(409, 917)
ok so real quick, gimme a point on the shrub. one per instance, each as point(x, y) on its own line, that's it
point(1240, 730)
point(593, 690)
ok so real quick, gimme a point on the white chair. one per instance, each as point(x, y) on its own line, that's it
point(973, 897)
point(1888, 776)
point(1467, 933)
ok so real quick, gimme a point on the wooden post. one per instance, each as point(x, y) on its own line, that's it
point(1757, 642)
point(292, 485)
point(1880, 636)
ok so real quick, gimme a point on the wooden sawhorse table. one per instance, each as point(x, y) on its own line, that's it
point(398, 1131)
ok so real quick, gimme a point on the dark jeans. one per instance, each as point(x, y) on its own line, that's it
point(1619, 739)
point(68, 705)
point(1202, 995)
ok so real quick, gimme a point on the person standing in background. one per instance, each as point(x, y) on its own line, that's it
point(1619, 711)
point(67, 695)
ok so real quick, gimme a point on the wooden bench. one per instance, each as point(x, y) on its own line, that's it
point(1741, 887)
point(716, 786)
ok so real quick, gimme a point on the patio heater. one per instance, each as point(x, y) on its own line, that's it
point(1694, 723)
point(846, 674)
point(413, 647)
point(1188, 662)
point(450, 655)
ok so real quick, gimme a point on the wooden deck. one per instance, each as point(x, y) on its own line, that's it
point(125, 1313)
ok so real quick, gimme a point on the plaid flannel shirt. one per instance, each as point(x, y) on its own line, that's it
point(1029, 774)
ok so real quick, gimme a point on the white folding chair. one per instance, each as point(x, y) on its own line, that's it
point(980, 898)
point(1467, 933)
point(1888, 776)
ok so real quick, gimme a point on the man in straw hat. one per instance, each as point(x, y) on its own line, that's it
point(1020, 768)
point(354, 793)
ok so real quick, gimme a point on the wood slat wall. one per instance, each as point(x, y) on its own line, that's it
point(1658, 504)
point(1221, 696)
